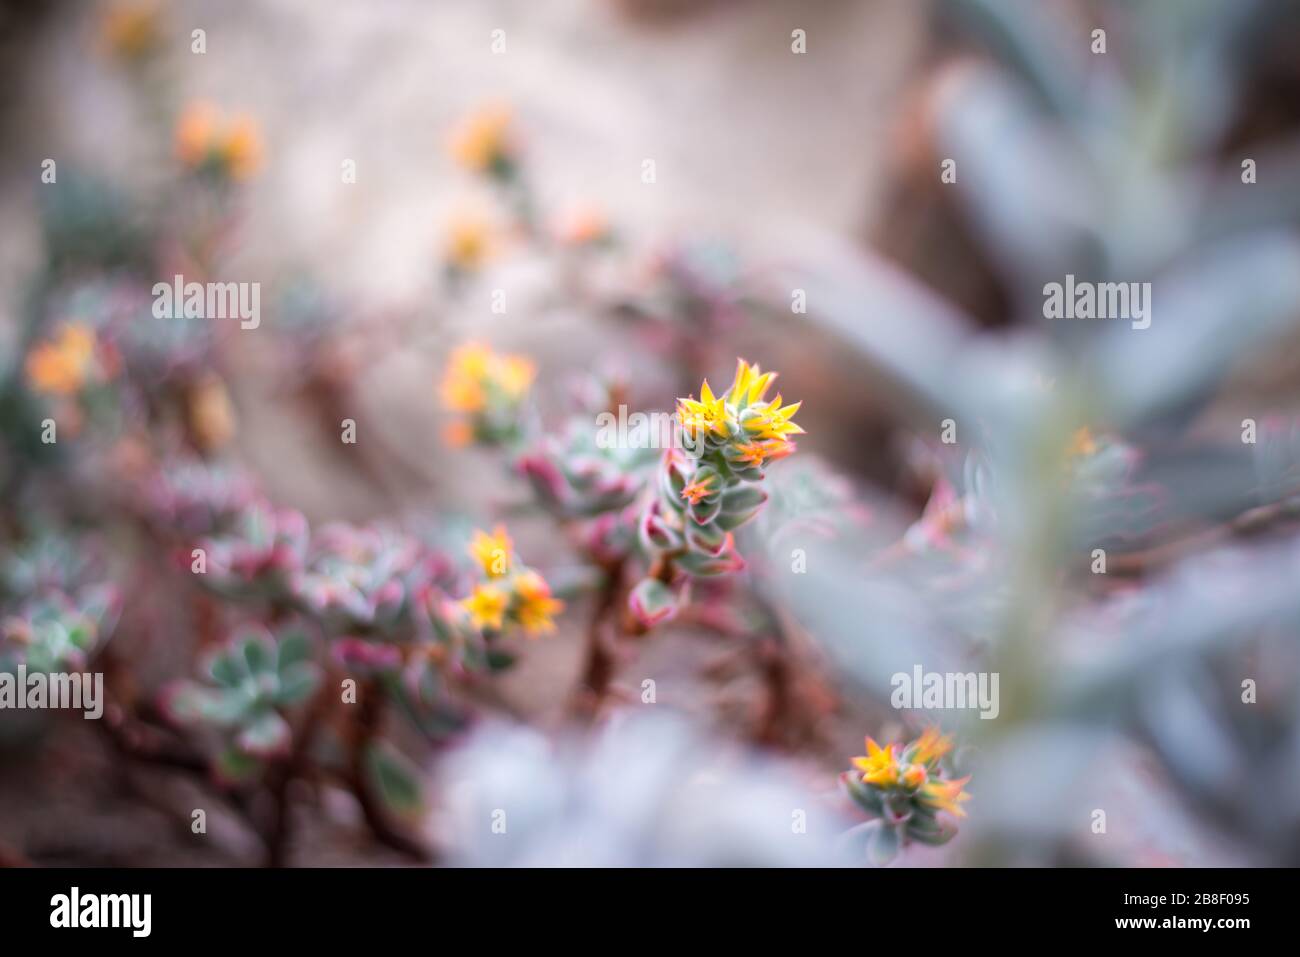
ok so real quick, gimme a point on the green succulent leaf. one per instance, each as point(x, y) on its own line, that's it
point(395, 779)
point(258, 654)
point(883, 845)
point(266, 735)
point(294, 647)
point(865, 796)
point(297, 682)
point(228, 670)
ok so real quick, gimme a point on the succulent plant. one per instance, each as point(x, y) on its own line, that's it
point(191, 497)
point(709, 488)
point(904, 788)
point(575, 476)
point(365, 579)
point(56, 632)
point(259, 557)
point(251, 682)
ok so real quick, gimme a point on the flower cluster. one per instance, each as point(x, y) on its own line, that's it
point(72, 360)
point(488, 390)
point(709, 488)
point(131, 29)
point(469, 240)
point(224, 147)
point(904, 788)
point(484, 141)
point(375, 591)
point(367, 602)
point(513, 594)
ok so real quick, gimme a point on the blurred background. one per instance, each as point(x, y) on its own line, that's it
point(865, 195)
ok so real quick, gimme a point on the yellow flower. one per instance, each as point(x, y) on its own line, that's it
point(880, 766)
point(475, 372)
point(492, 551)
point(931, 746)
point(483, 138)
point(945, 795)
point(195, 131)
point(1082, 443)
point(486, 606)
point(241, 148)
point(514, 374)
point(63, 366)
point(750, 384)
point(757, 453)
point(536, 608)
point(462, 385)
point(210, 414)
point(203, 135)
point(130, 28)
point(696, 491)
point(469, 242)
point(914, 775)
point(773, 421)
point(706, 414)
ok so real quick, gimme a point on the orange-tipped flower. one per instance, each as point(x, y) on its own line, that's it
point(64, 365)
point(706, 414)
point(493, 551)
point(482, 142)
point(750, 384)
point(903, 787)
point(477, 377)
point(535, 609)
point(698, 490)
point(932, 745)
point(470, 241)
point(1082, 444)
point(489, 389)
point(131, 29)
point(913, 776)
point(206, 139)
point(879, 766)
point(945, 795)
point(709, 486)
point(486, 606)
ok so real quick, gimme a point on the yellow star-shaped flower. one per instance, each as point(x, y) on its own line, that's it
point(536, 608)
point(706, 414)
point(750, 385)
point(492, 551)
point(773, 422)
point(486, 607)
point(945, 795)
point(879, 766)
point(930, 746)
